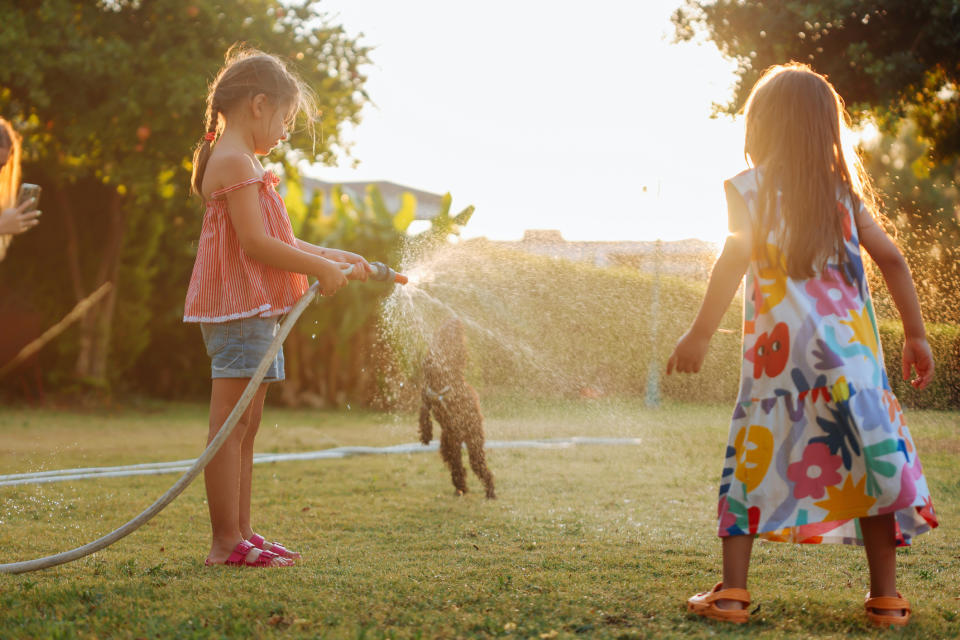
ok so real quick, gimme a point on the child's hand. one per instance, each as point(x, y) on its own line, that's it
point(688, 355)
point(361, 268)
point(330, 277)
point(917, 354)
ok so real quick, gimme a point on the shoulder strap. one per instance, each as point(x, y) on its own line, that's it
point(220, 192)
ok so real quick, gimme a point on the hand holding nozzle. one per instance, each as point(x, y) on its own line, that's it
point(379, 272)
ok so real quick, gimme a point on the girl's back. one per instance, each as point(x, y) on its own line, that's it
point(817, 439)
point(806, 335)
point(818, 449)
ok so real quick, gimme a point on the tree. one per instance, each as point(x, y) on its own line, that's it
point(109, 96)
point(893, 60)
point(889, 57)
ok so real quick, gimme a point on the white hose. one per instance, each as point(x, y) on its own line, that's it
point(176, 466)
point(194, 471)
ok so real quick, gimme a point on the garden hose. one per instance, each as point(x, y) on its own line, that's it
point(208, 453)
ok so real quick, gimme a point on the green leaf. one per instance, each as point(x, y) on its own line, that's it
point(406, 213)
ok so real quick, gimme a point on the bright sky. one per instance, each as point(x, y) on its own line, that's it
point(546, 115)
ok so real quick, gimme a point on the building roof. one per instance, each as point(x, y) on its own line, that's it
point(428, 204)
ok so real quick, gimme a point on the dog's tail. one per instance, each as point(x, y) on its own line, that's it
point(426, 424)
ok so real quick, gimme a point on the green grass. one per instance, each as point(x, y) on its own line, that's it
point(598, 542)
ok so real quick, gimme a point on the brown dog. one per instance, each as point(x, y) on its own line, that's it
point(455, 405)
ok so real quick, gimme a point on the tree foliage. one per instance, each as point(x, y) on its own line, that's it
point(921, 203)
point(109, 97)
point(889, 57)
point(897, 62)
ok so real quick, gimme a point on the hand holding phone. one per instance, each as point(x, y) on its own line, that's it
point(25, 214)
point(28, 191)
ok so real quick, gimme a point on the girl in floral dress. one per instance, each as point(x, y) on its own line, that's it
point(818, 450)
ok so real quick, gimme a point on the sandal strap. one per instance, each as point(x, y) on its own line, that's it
point(278, 548)
point(887, 602)
point(260, 542)
point(738, 595)
point(265, 559)
point(239, 553)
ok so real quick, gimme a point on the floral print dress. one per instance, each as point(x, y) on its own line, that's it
point(817, 438)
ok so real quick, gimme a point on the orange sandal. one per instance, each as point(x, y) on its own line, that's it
point(887, 602)
point(705, 604)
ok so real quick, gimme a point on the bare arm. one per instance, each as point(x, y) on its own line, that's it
point(725, 278)
point(362, 267)
point(244, 206)
point(896, 273)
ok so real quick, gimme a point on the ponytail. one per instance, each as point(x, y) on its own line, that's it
point(202, 153)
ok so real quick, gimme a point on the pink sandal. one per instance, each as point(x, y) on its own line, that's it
point(239, 557)
point(260, 542)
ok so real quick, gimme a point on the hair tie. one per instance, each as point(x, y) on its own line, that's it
point(210, 136)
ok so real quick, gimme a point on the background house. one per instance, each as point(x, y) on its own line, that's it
point(428, 204)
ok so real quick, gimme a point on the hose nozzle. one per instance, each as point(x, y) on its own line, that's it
point(383, 273)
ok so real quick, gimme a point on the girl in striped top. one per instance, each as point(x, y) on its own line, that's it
point(249, 270)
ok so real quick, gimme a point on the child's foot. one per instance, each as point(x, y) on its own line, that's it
point(884, 611)
point(246, 555)
point(729, 605)
point(260, 542)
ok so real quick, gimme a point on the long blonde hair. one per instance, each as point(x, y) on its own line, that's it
point(796, 133)
point(246, 73)
point(9, 175)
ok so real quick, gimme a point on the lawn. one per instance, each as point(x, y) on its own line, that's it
point(588, 541)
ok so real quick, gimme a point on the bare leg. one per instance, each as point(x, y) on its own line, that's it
point(254, 414)
point(879, 541)
point(736, 563)
point(222, 475)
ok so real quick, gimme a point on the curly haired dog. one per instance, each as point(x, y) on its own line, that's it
point(455, 405)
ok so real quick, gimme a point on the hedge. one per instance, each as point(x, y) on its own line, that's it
point(548, 327)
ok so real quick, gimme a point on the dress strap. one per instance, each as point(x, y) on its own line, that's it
point(267, 177)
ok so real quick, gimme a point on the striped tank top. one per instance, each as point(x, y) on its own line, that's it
point(226, 283)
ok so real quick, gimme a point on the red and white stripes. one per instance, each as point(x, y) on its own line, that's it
point(226, 284)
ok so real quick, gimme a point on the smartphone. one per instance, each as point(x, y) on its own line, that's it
point(28, 191)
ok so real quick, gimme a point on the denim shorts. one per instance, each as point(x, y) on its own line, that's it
point(237, 347)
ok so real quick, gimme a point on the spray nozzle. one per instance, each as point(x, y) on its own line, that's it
point(383, 273)
point(379, 272)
